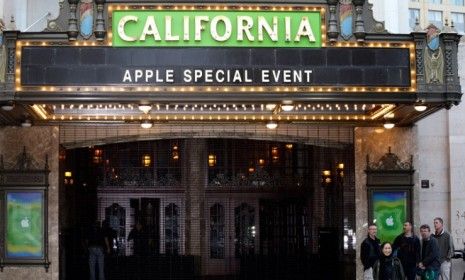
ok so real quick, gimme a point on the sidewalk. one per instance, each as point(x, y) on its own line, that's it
point(458, 269)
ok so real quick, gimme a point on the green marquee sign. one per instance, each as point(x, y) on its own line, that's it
point(205, 28)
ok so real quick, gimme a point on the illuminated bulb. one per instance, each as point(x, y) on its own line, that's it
point(420, 107)
point(270, 107)
point(26, 123)
point(146, 124)
point(388, 125)
point(271, 125)
point(7, 106)
point(287, 106)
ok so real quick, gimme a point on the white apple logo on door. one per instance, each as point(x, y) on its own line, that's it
point(390, 221)
point(25, 222)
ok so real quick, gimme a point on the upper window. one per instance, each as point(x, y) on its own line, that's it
point(435, 1)
point(254, 163)
point(414, 15)
point(457, 2)
point(435, 17)
point(458, 19)
point(144, 163)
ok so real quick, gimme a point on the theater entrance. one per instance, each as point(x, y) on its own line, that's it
point(210, 208)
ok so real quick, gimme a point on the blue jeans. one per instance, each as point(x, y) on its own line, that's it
point(96, 257)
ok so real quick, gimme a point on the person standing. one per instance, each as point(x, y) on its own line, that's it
point(429, 262)
point(446, 247)
point(139, 236)
point(407, 247)
point(370, 252)
point(97, 244)
point(388, 267)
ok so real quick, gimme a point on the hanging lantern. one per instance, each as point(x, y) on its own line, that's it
point(211, 160)
point(175, 152)
point(274, 154)
point(97, 158)
point(326, 177)
point(146, 160)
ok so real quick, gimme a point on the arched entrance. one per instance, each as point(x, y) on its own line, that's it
point(210, 208)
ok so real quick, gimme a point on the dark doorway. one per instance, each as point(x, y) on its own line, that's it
point(259, 211)
point(329, 252)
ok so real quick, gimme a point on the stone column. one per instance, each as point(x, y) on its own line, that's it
point(457, 155)
point(39, 142)
point(195, 179)
point(375, 142)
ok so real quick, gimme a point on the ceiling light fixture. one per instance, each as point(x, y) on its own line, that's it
point(271, 125)
point(145, 108)
point(420, 107)
point(389, 125)
point(26, 123)
point(146, 124)
point(287, 106)
point(8, 106)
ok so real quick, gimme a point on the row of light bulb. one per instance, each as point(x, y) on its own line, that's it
point(146, 108)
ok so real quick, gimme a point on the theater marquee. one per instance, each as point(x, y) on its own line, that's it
point(196, 48)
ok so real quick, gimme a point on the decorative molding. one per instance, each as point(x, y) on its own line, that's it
point(433, 56)
point(450, 41)
point(72, 21)
point(390, 162)
point(132, 178)
point(86, 18)
point(346, 15)
point(333, 32)
point(420, 38)
point(359, 22)
point(99, 31)
point(257, 179)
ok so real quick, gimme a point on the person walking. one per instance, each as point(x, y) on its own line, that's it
point(97, 244)
point(388, 267)
point(446, 247)
point(429, 264)
point(370, 252)
point(139, 237)
point(407, 248)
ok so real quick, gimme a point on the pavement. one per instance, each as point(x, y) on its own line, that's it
point(458, 269)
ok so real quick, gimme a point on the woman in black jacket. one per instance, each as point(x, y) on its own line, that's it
point(388, 267)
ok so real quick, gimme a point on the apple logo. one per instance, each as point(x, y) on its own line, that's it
point(390, 221)
point(25, 222)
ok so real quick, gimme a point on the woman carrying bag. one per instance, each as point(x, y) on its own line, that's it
point(388, 267)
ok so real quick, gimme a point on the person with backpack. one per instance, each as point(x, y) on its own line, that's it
point(370, 252)
point(407, 248)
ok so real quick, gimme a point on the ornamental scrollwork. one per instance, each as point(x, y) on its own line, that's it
point(390, 161)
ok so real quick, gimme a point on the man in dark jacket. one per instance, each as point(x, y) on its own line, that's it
point(429, 252)
point(370, 252)
point(139, 236)
point(407, 246)
point(446, 247)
